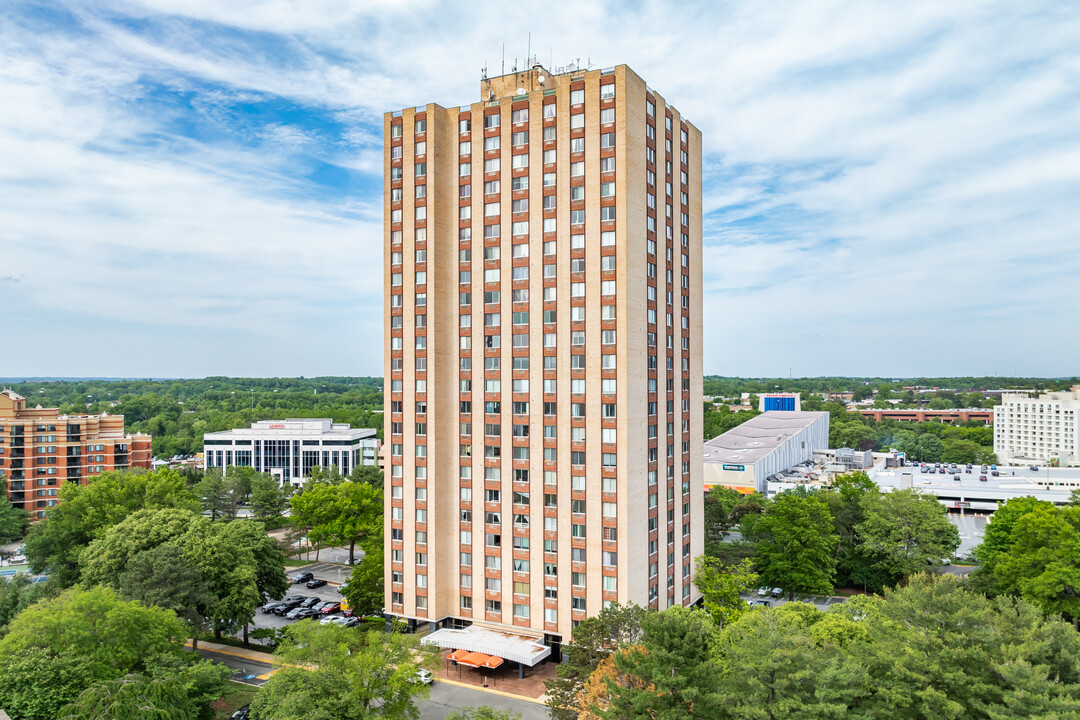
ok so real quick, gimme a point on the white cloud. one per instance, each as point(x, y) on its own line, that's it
point(870, 168)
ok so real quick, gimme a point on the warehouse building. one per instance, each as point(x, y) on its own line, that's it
point(745, 457)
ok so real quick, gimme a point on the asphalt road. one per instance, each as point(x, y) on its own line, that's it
point(247, 671)
point(446, 698)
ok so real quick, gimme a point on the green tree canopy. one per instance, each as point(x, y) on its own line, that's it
point(721, 586)
point(594, 639)
point(796, 544)
point(88, 511)
point(331, 672)
point(112, 636)
point(901, 533)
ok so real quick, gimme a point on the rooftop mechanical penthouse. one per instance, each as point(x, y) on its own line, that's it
point(543, 334)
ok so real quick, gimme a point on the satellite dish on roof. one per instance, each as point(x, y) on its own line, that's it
point(521, 91)
point(540, 79)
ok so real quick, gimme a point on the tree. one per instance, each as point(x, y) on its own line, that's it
point(19, 593)
point(998, 541)
point(229, 569)
point(930, 448)
point(105, 558)
point(344, 512)
point(162, 577)
point(1043, 563)
point(370, 474)
point(675, 667)
point(724, 509)
point(483, 713)
point(13, 520)
point(593, 640)
point(171, 688)
point(216, 494)
point(267, 497)
point(845, 505)
point(940, 403)
point(37, 682)
point(87, 511)
point(131, 697)
point(961, 451)
point(772, 666)
point(721, 586)
point(360, 676)
point(111, 636)
point(797, 544)
point(367, 581)
point(943, 651)
point(595, 698)
point(901, 533)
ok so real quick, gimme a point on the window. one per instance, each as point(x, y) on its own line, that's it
point(464, 126)
point(517, 162)
point(520, 115)
point(491, 121)
point(491, 143)
point(519, 139)
point(491, 165)
point(577, 97)
point(577, 121)
point(395, 131)
point(549, 110)
point(421, 126)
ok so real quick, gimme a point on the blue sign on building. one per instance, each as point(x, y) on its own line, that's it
point(779, 403)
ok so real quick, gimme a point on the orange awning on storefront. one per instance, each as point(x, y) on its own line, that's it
point(492, 662)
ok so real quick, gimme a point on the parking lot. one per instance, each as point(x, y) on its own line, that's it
point(333, 574)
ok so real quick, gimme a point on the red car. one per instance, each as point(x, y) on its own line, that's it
point(330, 608)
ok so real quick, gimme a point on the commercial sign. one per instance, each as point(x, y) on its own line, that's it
point(277, 426)
point(739, 468)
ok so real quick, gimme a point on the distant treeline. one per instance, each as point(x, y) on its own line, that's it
point(178, 412)
point(720, 386)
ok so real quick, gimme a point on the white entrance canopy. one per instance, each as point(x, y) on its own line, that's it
point(509, 646)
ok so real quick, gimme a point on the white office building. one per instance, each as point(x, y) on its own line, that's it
point(745, 457)
point(1038, 430)
point(289, 449)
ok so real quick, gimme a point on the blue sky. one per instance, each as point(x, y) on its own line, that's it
point(194, 188)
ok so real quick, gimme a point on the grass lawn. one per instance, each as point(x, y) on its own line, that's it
point(236, 696)
point(296, 562)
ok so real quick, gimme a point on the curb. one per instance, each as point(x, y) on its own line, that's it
point(491, 691)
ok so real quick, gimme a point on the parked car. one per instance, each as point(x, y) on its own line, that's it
point(316, 583)
point(302, 578)
point(348, 621)
point(423, 677)
point(982, 478)
point(271, 607)
point(956, 478)
point(777, 592)
point(330, 607)
point(1034, 468)
point(303, 613)
point(995, 473)
point(760, 604)
point(311, 602)
point(285, 607)
point(941, 471)
point(242, 713)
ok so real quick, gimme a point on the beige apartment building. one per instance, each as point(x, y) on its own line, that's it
point(543, 334)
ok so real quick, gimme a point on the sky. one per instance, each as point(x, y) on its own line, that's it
point(192, 188)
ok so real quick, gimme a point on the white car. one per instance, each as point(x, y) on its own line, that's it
point(424, 676)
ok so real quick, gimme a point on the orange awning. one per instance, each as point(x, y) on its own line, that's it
point(474, 659)
point(458, 655)
point(492, 662)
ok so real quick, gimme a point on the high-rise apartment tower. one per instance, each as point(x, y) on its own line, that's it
point(543, 365)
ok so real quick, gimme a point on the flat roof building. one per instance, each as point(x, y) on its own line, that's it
point(543, 325)
point(289, 449)
point(41, 450)
point(1039, 430)
point(746, 456)
point(779, 401)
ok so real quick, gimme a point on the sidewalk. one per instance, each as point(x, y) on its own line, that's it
point(253, 655)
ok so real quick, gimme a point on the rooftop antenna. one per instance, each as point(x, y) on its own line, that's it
point(502, 70)
point(528, 53)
